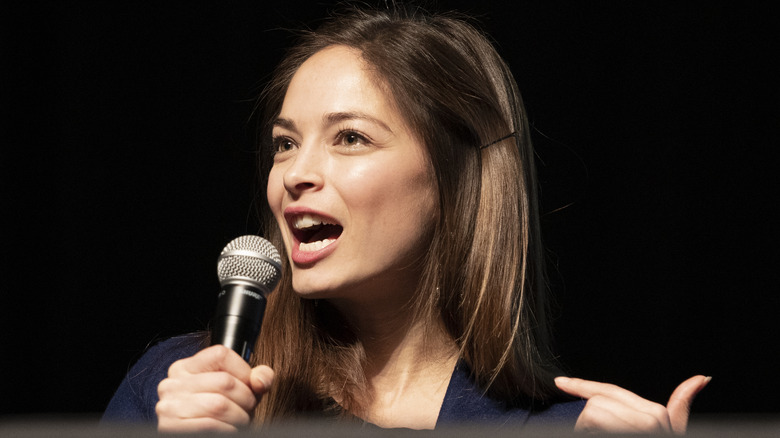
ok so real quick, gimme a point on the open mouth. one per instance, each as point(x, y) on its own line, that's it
point(314, 232)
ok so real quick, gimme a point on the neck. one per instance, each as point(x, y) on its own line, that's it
point(408, 363)
point(393, 334)
point(403, 359)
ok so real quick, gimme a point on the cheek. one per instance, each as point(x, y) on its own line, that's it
point(399, 199)
point(275, 191)
point(275, 195)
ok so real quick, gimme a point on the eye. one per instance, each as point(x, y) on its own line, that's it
point(282, 144)
point(351, 138)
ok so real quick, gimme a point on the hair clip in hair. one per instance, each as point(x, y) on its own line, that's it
point(513, 134)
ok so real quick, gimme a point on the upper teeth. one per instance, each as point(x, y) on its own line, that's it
point(309, 220)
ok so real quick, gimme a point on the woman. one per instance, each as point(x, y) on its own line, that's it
point(402, 189)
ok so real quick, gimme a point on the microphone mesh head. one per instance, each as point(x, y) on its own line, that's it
point(250, 258)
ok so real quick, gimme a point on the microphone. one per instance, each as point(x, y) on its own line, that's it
point(249, 268)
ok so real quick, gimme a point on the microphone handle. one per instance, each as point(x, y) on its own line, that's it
point(239, 316)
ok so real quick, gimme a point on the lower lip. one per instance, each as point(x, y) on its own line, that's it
point(309, 257)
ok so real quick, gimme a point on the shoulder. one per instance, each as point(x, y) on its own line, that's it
point(464, 402)
point(562, 413)
point(173, 349)
point(157, 359)
point(136, 397)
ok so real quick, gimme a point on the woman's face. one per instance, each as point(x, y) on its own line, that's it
point(351, 187)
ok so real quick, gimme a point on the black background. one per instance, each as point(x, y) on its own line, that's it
point(127, 165)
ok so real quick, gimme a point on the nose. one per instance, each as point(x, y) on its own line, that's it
point(305, 171)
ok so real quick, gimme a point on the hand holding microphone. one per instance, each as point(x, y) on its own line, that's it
point(216, 389)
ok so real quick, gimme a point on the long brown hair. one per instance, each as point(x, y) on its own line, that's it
point(483, 275)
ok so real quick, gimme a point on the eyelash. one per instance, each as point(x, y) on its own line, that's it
point(278, 140)
point(343, 133)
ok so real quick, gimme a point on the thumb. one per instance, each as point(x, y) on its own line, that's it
point(261, 379)
point(679, 406)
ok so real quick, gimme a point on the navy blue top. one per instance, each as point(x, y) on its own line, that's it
point(136, 397)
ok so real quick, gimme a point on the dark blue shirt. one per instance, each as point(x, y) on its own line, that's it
point(135, 400)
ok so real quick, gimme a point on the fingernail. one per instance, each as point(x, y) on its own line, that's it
point(265, 383)
point(562, 379)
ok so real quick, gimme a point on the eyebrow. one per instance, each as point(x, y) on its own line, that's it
point(333, 118)
point(284, 124)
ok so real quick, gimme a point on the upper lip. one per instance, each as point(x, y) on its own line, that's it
point(291, 214)
point(297, 215)
point(308, 220)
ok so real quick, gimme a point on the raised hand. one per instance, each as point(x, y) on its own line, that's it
point(611, 408)
point(214, 390)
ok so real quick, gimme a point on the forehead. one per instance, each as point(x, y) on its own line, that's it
point(337, 79)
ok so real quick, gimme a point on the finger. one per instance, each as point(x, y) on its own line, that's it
point(604, 414)
point(589, 389)
point(212, 382)
point(194, 425)
point(584, 388)
point(679, 405)
point(214, 358)
point(202, 405)
point(261, 379)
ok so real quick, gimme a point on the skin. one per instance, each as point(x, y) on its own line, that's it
point(611, 408)
point(214, 390)
point(344, 152)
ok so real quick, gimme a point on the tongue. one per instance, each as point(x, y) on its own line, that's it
point(326, 232)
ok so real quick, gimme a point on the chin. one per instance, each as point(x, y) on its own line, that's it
point(309, 291)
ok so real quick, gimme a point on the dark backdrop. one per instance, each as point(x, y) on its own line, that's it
point(127, 165)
